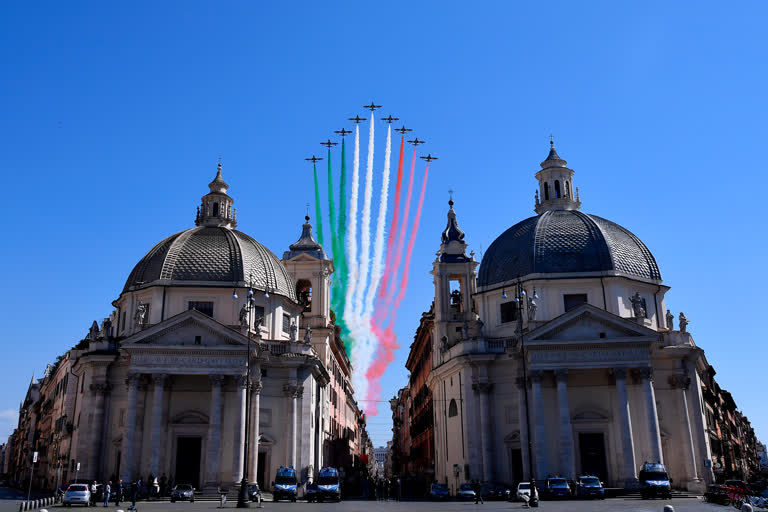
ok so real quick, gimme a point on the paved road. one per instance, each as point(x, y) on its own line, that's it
point(634, 505)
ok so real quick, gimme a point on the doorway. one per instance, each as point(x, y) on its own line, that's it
point(592, 451)
point(516, 463)
point(188, 461)
point(260, 470)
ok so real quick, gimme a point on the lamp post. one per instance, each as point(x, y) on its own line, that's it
point(242, 496)
point(530, 306)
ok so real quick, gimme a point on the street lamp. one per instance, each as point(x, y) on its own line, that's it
point(530, 304)
point(242, 496)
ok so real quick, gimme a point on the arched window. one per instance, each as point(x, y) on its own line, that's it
point(453, 410)
point(546, 191)
point(215, 209)
point(557, 189)
point(304, 293)
point(567, 189)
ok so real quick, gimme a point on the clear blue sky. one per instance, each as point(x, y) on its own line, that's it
point(112, 116)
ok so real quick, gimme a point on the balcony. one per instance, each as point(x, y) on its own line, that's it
point(278, 348)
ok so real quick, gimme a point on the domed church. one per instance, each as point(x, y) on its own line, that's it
point(610, 382)
point(163, 391)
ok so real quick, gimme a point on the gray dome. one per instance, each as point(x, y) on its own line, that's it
point(566, 241)
point(211, 256)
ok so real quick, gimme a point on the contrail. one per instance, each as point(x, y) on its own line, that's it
point(393, 226)
point(340, 259)
point(318, 213)
point(334, 239)
point(388, 345)
point(352, 243)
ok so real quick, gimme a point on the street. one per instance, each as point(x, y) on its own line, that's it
point(635, 505)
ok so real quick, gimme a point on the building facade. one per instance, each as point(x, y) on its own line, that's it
point(161, 387)
point(567, 308)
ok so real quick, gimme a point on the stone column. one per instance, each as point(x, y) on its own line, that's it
point(212, 477)
point(567, 456)
point(682, 382)
point(483, 389)
point(253, 463)
point(239, 433)
point(292, 391)
point(99, 392)
point(541, 431)
point(130, 427)
point(159, 380)
point(625, 428)
point(646, 374)
point(523, 428)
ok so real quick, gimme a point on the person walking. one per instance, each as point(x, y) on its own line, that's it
point(107, 492)
point(222, 496)
point(134, 494)
point(93, 489)
point(118, 492)
point(478, 495)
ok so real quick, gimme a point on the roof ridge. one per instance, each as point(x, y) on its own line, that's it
point(169, 262)
point(594, 225)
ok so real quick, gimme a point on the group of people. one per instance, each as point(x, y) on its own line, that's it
point(138, 489)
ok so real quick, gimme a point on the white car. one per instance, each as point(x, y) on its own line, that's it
point(524, 489)
point(76, 494)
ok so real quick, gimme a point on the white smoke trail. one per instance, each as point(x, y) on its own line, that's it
point(349, 313)
point(378, 244)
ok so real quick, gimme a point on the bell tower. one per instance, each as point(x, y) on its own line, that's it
point(216, 209)
point(556, 190)
point(455, 280)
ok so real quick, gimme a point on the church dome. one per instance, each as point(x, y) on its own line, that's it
point(566, 241)
point(212, 254)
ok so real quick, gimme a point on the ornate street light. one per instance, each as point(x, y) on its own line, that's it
point(519, 299)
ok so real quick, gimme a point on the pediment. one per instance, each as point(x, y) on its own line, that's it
point(184, 329)
point(588, 323)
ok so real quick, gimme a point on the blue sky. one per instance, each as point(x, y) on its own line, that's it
point(112, 117)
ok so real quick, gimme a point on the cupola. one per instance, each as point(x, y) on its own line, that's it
point(556, 191)
point(216, 209)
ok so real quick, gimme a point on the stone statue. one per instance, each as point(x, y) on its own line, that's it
point(532, 307)
point(244, 316)
point(444, 343)
point(670, 321)
point(294, 331)
point(141, 314)
point(683, 322)
point(638, 311)
point(308, 335)
point(106, 328)
point(480, 325)
point(93, 332)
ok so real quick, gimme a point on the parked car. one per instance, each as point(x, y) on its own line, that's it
point(523, 488)
point(328, 485)
point(184, 492)
point(590, 487)
point(654, 481)
point(495, 491)
point(465, 492)
point(77, 494)
point(439, 492)
point(557, 487)
point(285, 484)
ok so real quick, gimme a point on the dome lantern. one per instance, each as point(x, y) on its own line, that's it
point(556, 190)
point(216, 209)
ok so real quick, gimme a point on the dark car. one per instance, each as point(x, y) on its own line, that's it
point(465, 492)
point(590, 487)
point(557, 487)
point(183, 492)
point(495, 491)
point(439, 492)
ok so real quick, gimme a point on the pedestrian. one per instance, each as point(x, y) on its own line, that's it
point(478, 495)
point(399, 489)
point(134, 494)
point(118, 492)
point(107, 492)
point(94, 489)
point(222, 496)
point(163, 482)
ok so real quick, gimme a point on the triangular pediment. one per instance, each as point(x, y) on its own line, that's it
point(588, 323)
point(190, 328)
point(302, 256)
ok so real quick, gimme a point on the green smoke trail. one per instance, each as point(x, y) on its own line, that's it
point(340, 258)
point(318, 213)
point(334, 240)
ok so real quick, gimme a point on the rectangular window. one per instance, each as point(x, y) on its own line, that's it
point(286, 323)
point(258, 312)
point(198, 340)
point(205, 308)
point(122, 323)
point(645, 308)
point(508, 312)
point(574, 300)
point(122, 417)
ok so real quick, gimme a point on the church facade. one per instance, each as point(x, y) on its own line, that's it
point(161, 387)
point(611, 382)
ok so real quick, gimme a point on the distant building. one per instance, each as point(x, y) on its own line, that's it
point(380, 455)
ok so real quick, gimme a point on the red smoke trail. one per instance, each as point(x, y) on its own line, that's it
point(400, 242)
point(395, 219)
point(385, 353)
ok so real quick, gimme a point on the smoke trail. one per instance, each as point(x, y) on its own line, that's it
point(386, 350)
point(365, 345)
point(340, 259)
point(393, 226)
point(352, 244)
point(378, 245)
point(334, 238)
point(318, 213)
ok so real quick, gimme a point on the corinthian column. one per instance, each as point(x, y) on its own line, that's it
point(159, 380)
point(292, 391)
point(212, 478)
point(253, 463)
point(646, 374)
point(239, 434)
point(523, 428)
point(483, 389)
point(99, 392)
point(130, 427)
point(682, 382)
point(625, 427)
point(567, 456)
point(541, 431)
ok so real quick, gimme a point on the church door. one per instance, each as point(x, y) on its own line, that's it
point(516, 462)
point(592, 451)
point(260, 470)
point(188, 461)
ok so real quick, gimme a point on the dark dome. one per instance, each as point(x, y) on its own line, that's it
point(211, 256)
point(566, 241)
